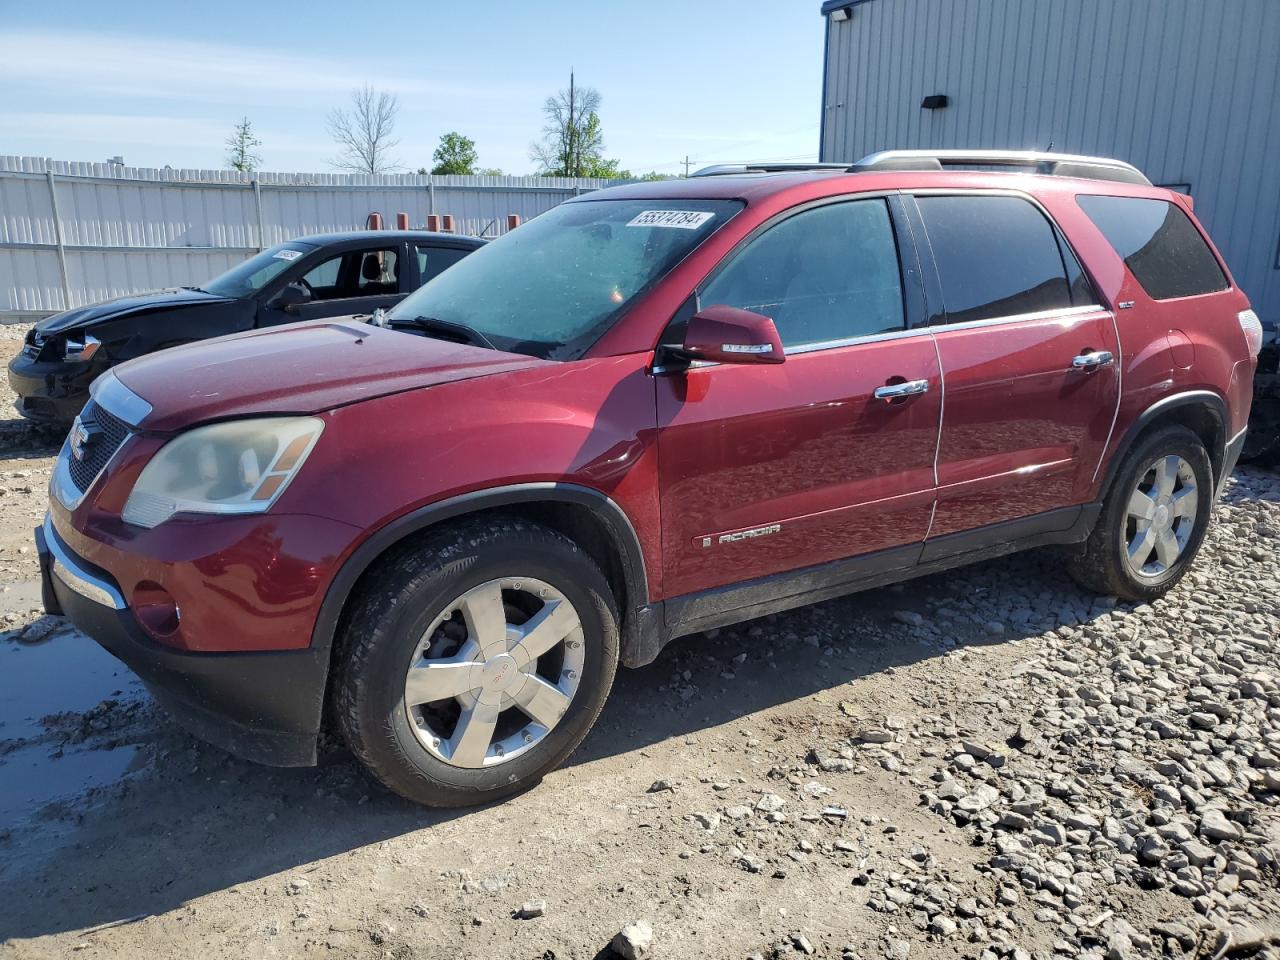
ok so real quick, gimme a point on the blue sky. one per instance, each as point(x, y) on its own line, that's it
point(164, 83)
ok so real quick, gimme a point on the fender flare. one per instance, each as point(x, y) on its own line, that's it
point(614, 520)
point(1189, 398)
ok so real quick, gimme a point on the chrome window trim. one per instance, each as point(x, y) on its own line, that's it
point(854, 341)
point(68, 569)
point(905, 334)
point(811, 348)
point(1020, 318)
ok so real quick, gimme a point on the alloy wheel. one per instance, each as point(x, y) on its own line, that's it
point(1160, 517)
point(495, 672)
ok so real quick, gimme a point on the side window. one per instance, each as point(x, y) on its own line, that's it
point(323, 279)
point(1159, 244)
point(997, 257)
point(356, 273)
point(433, 261)
point(379, 273)
point(828, 273)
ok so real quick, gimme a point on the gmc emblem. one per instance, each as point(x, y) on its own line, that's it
point(81, 438)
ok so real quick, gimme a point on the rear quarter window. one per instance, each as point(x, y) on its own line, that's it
point(1159, 244)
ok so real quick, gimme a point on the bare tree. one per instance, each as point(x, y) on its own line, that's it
point(364, 132)
point(571, 140)
point(241, 146)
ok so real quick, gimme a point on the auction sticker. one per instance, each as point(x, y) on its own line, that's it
point(288, 254)
point(676, 219)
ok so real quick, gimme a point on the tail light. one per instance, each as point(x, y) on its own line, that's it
point(1252, 328)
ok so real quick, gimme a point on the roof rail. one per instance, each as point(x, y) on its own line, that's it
point(729, 169)
point(1052, 164)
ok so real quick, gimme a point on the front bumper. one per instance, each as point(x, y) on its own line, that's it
point(263, 706)
point(52, 392)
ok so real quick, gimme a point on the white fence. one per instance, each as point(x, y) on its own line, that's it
point(76, 233)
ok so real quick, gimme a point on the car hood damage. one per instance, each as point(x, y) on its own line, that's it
point(123, 306)
point(300, 368)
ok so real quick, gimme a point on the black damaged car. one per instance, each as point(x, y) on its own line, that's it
point(1262, 443)
point(305, 279)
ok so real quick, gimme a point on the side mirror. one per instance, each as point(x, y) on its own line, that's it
point(728, 335)
point(292, 297)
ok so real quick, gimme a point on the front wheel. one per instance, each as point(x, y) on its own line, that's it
point(476, 662)
point(1153, 520)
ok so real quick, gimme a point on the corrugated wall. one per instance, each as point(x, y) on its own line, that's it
point(1186, 90)
point(126, 229)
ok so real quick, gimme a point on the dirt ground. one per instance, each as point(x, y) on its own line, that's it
point(987, 763)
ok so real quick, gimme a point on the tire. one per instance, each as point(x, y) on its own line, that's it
point(417, 630)
point(1104, 566)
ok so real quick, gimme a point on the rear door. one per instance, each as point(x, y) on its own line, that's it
point(433, 259)
point(1029, 362)
point(772, 468)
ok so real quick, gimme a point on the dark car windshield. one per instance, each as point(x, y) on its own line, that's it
point(551, 287)
point(249, 277)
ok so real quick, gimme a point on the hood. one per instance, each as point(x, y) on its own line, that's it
point(300, 368)
point(119, 306)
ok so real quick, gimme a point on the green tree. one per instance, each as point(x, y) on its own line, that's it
point(241, 146)
point(572, 142)
point(456, 154)
point(604, 169)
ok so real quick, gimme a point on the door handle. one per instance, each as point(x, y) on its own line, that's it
point(1097, 359)
point(908, 389)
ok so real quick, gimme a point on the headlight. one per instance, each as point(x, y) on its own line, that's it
point(238, 467)
point(81, 349)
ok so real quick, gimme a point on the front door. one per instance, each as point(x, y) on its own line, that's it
point(354, 281)
point(1030, 361)
point(773, 468)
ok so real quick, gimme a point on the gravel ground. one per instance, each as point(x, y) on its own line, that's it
point(987, 763)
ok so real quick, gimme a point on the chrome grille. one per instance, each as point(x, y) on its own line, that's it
point(107, 432)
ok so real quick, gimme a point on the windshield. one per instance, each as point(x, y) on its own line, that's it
point(256, 272)
point(551, 287)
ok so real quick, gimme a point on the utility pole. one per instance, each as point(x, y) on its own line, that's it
point(687, 163)
point(571, 160)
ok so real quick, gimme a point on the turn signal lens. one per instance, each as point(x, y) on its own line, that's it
point(1252, 328)
point(81, 349)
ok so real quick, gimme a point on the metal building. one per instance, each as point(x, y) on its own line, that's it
point(1186, 90)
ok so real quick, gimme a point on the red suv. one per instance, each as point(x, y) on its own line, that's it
point(654, 410)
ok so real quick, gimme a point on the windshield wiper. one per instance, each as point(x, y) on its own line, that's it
point(450, 330)
point(196, 289)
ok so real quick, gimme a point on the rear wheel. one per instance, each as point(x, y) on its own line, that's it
point(1153, 520)
point(477, 662)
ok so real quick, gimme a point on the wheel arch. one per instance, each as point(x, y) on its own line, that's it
point(1202, 411)
point(590, 518)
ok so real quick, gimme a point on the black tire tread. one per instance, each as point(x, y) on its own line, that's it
point(1098, 567)
point(397, 576)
